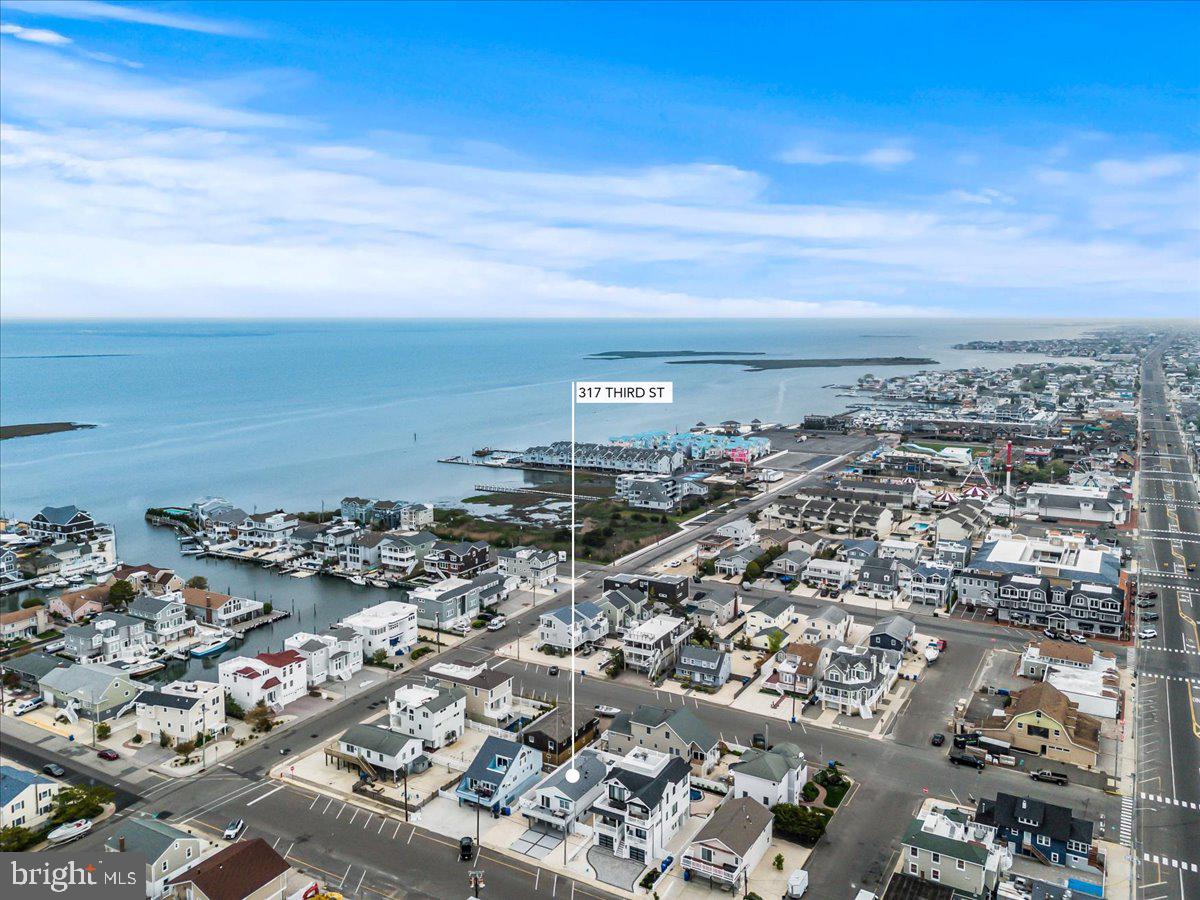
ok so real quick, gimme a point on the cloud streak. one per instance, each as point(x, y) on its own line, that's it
point(140, 14)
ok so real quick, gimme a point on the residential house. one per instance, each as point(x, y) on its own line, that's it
point(60, 523)
point(529, 565)
point(501, 772)
point(1041, 720)
point(165, 622)
point(776, 612)
point(274, 679)
point(731, 843)
point(642, 806)
point(168, 850)
point(905, 551)
point(390, 627)
point(214, 608)
point(930, 584)
point(182, 710)
point(30, 668)
point(857, 551)
point(79, 604)
point(561, 632)
point(556, 734)
point(26, 798)
point(1043, 655)
point(741, 531)
point(661, 493)
point(734, 561)
point(266, 531)
point(789, 564)
point(1076, 503)
point(462, 559)
point(404, 552)
point(831, 573)
point(1045, 831)
point(832, 623)
point(623, 608)
point(147, 579)
point(435, 715)
point(21, 624)
point(558, 803)
point(880, 578)
point(378, 751)
point(855, 681)
point(669, 589)
point(716, 605)
point(965, 521)
point(944, 846)
point(704, 667)
point(677, 732)
point(362, 552)
point(107, 638)
point(246, 870)
point(489, 692)
point(10, 566)
point(652, 647)
point(96, 692)
point(329, 541)
point(893, 633)
point(798, 667)
point(332, 655)
point(954, 554)
point(452, 602)
point(770, 776)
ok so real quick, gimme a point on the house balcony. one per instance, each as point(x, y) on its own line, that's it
point(727, 872)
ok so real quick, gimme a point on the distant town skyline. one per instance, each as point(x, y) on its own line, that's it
point(660, 160)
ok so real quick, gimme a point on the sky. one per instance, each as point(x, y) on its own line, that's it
point(608, 159)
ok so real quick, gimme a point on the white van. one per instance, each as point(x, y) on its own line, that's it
point(797, 884)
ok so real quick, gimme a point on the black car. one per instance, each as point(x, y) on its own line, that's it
point(466, 849)
point(938, 739)
point(966, 759)
point(54, 769)
point(1150, 617)
point(1145, 604)
point(966, 740)
point(554, 671)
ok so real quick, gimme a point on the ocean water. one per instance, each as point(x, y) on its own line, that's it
point(300, 414)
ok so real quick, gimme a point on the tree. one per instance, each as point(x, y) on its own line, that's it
point(799, 823)
point(11, 680)
point(260, 718)
point(702, 635)
point(121, 593)
point(199, 582)
point(30, 603)
point(775, 641)
point(708, 567)
point(16, 838)
point(753, 571)
point(777, 862)
point(79, 802)
point(233, 708)
point(164, 740)
point(378, 658)
point(185, 748)
point(267, 607)
point(103, 731)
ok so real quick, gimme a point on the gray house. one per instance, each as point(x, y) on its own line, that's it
point(557, 803)
point(109, 637)
point(879, 578)
point(164, 621)
point(167, 849)
point(703, 666)
point(94, 692)
point(674, 731)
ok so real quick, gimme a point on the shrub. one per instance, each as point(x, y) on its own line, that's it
point(103, 731)
point(267, 607)
point(777, 862)
point(137, 738)
point(809, 792)
point(199, 582)
point(801, 824)
point(421, 651)
point(15, 838)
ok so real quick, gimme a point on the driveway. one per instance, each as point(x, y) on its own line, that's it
point(536, 843)
point(620, 873)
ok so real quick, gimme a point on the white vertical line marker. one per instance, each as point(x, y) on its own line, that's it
point(573, 662)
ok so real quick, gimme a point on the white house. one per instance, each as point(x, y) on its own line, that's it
point(529, 565)
point(275, 679)
point(558, 803)
point(777, 612)
point(741, 530)
point(182, 710)
point(856, 680)
point(555, 630)
point(642, 805)
point(436, 715)
point(489, 692)
point(835, 573)
point(269, 530)
point(388, 753)
point(362, 552)
point(26, 798)
point(390, 626)
point(333, 655)
point(770, 776)
point(830, 624)
point(731, 843)
point(653, 646)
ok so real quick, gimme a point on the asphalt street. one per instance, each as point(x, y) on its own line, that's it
point(1167, 818)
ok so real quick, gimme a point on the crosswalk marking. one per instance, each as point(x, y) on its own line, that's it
point(1180, 864)
point(1127, 821)
point(1170, 801)
point(1189, 679)
point(1168, 649)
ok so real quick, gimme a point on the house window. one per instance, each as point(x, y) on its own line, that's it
point(706, 854)
point(912, 868)
point(960, 865)
point(914, 852)
point(935, 858)
point(1043, 840)
point(935, 874)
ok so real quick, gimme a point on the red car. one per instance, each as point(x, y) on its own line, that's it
point(109, 754)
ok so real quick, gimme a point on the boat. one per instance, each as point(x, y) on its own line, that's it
point(379, 583)
point(138, 667)
point(69, 832)
point(105, 569)
point(191, 551)
point(357, 579)
point(44, 584)
point(61, 582)
point(211, 647)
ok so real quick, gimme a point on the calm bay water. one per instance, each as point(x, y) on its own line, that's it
point(297, 414)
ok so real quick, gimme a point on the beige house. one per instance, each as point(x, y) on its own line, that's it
point(182, 710)
point(674, 731)
point(168, 850)
point(1042, 720)
point(23, 623)
point(76, 605)
point(731, 843)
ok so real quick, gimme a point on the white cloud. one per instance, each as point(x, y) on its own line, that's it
point(34, 35)
point(1140, 171)
point(887, 156)
point(139, 14)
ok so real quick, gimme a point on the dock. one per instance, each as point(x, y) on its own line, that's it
point(259, 621)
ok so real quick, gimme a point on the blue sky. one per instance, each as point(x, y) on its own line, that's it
point(298, 159)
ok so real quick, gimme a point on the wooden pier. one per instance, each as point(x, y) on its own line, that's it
point(259, 621)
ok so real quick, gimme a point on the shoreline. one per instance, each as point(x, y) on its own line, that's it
point(33, 429)
point(764, 365)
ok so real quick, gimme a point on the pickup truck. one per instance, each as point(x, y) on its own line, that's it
point(1048, 777)
point(966, 759)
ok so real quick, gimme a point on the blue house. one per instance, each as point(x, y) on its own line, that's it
point(501, 771)
point(1044, 831)
point(703, 666)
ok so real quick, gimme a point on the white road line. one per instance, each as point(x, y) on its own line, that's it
point(266, 795)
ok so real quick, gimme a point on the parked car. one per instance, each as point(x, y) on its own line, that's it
point(966, 740)
point(234, 829)
point(1145, 604)
point(553, 671)
point(497, 623)
point(54, 646)
point(759, 741)
point(1045, 775)
point(609, 711)
point(110, 755)
point(466, 849)
point(1050, 633)
point(1148, 633)
point(54, 769)
point(938, 739)
point(966, 759)
point(1151, 595)
point(1150, 617)
point(29, 705)
point(1079, 638)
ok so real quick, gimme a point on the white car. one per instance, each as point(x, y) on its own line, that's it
point(674, 564)
point(1148, 633)
point(234, 829)
point(497, 623)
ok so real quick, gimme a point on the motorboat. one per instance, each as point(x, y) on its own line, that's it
point(69, 832)
point(211, 647)
point(357, 579)
point(379, 583)
point(105, 569)
point(60, 582)
point(44, 584)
